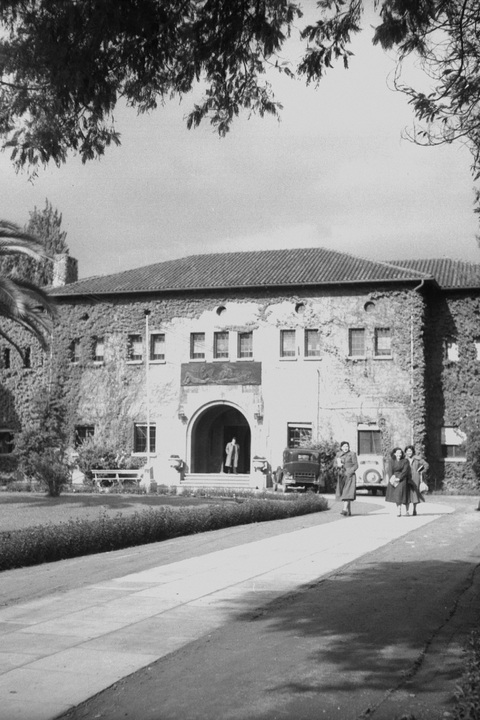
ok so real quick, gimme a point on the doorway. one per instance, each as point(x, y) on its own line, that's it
point(212, 430)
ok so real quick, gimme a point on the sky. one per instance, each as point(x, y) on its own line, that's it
point(334, 173)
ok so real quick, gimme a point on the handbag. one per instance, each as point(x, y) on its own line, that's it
point(423, 487)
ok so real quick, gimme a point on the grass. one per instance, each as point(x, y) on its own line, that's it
point(141, 523)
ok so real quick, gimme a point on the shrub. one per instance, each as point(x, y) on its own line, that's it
point(48, 543)
point(467, 695)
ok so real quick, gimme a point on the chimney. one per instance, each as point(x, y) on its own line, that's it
point(65, 270)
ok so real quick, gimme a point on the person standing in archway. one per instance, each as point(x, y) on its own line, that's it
point(232, 452)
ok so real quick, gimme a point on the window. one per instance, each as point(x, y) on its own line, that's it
point(197, 346)
point(370, 442)
point(356, 342)
point(383, 342)
point(99, 350)
point(27, 358)
point(220, 345)
point(82, 433)
point(477, 348)
point(453, 443)
point(6, 358)
point(135, 348)
point(7, 444)
point(140, 438)
point(451, 350)
point(245, 345)
point(312, 343)
point(299, 434)
point(157, 346)
point(287, 343)
point(74, 351)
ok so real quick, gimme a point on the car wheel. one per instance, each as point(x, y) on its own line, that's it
point(371, 476)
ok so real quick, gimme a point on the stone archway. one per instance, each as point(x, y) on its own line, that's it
point(210, 433)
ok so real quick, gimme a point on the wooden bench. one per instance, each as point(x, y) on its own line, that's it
point(105, 480)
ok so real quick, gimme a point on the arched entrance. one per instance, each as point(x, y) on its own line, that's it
point(210, 433)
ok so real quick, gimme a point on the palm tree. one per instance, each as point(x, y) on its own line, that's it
point(21, 301)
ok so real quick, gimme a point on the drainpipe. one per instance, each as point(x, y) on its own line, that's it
point(415, 289)
point(147, 385)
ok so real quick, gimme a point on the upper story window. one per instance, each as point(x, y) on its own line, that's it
point(287, 344)
point(245, 345)
point(477, 348)
point(82, 433)
point(74, 351)
point(453, 443)
point(356, 342)
point(312, 343)
point(299, 434)
point(157, 346)
point(451, 350)
point(220, 345)
point(140, 438)
point(27, 357)
point(197, 346)
point(135, 348)
point(383, 342)
point(6, 357)
point(99, 351)
point(7, 444)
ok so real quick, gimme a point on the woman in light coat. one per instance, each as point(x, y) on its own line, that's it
point(417, 466)
point(399, 477)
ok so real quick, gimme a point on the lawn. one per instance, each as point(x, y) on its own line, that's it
point(21, 510)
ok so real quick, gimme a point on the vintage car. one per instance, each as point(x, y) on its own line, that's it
point(301, 470)
point(371, 474)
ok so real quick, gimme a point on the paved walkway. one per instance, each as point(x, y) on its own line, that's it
point(60, 650)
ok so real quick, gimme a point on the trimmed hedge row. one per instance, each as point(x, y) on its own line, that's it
point(48, 543)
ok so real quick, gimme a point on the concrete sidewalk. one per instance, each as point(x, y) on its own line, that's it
point(59, 651)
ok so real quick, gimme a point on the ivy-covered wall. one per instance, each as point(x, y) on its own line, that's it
point(333, 391)
point(453, 386)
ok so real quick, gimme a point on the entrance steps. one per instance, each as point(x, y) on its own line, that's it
point(216, 480)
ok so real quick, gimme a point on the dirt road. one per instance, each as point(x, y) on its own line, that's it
point(382, 637)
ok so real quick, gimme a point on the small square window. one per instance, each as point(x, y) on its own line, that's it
point(356, 342)
point(82, 433)
point(135, 348)
point(99, 350)
point(287, 343)
point(383, 342)
point(245, 345)
point(453, 443)
point(220, 345)
point(157, 346)
point(197, 346)
point(370, 442)
point(312, 343)
point(140, 438)
point(7, 442)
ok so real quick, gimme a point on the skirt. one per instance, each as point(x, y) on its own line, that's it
point(346, 487)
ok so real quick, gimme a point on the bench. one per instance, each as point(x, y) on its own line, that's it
point(105, 480)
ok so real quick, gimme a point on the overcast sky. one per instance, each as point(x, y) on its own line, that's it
point(333, 173)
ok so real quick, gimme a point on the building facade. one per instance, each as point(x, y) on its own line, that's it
point(274, 348)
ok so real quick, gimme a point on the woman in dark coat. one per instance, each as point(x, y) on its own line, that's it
point(347, 464)
point(417, 466)
point(399, 477)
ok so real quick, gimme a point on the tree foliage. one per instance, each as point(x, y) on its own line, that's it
point(65, 65)
point(21, 301)
point(45, 225)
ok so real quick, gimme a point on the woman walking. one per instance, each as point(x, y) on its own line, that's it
point(399, 477)
point(417, 467)
point(347, 464)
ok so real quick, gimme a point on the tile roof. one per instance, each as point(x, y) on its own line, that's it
point(449, 274)
point(263, 268)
